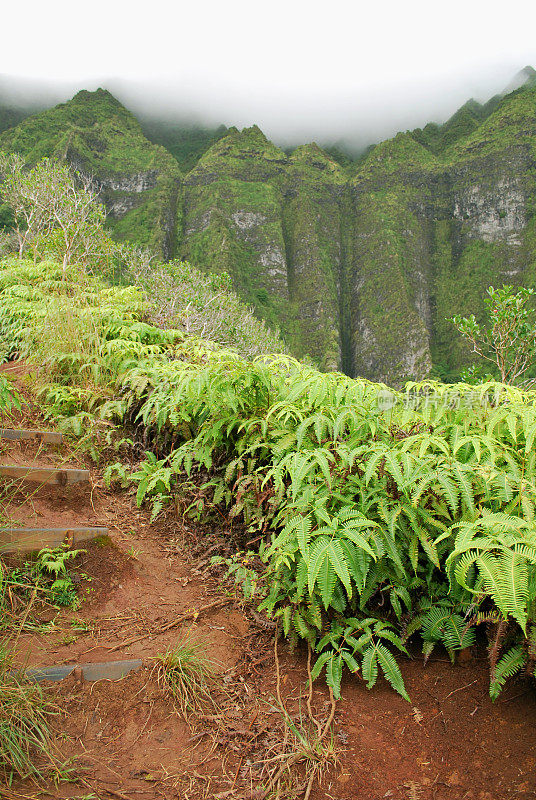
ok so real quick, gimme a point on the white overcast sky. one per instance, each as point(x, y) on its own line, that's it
point(301, 70)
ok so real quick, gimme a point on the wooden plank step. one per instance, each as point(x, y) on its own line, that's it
point(44, 474)
point(18, 434)
point(14, 540)
point(108, 670)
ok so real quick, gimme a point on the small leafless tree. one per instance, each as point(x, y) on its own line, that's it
point(200, 304)
point(21, 194)
point(54, 211)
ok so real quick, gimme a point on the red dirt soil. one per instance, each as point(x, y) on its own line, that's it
point(451, 743)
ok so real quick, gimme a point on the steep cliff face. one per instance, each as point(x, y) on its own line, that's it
point(433, 228)
point(232, 217)
point(272, 222)
point(359, 265)
point(390, 270)
point(139, 181)
point(314, 206)
point(484, 231)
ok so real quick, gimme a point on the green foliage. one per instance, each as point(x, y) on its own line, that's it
point(509, 665)
point(254, 213)
point(53, 563)
point(367, 640)
point(509, 342)
point(46, 574)
point(380, 514)
point(26, 749)
point(9, 397)
point(239, 568)
point(441, 624)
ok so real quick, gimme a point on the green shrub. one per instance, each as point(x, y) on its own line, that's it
point(199, 304)
point(9, 397)
point(185, 671)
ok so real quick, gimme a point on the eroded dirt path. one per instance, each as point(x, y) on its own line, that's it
point(451, 743)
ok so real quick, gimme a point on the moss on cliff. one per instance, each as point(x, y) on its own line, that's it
point(359, 266)
point(272, 222)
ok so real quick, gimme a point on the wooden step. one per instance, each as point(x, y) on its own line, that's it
point(44, 474)
point(14, 540)
point(16, 434)
point(108, 670)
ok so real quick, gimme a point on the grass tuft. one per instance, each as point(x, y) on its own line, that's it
point(300, 760)
point(26, 748)
point(185, 672)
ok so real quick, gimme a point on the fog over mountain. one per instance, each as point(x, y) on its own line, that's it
point(350, 118)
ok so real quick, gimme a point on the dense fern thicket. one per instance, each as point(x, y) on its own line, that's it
point(379, 516)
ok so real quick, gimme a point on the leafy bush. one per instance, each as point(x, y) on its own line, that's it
point(380, 514)
point(509, 343)
point(199, 304)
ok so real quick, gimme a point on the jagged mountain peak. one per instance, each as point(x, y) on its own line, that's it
point(85, 95)
point(314, 156)
point(254, 132)
point(525, 76)
point(246, 143)
point(95, 134)
point(88, 108)
point(403, 151)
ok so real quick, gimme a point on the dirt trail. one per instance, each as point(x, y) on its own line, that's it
point(451, 743)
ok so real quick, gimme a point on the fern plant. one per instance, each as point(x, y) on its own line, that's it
point(373, 524)
point(9, 397)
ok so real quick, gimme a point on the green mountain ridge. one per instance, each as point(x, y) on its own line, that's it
point(139, 181)
point(358, 263)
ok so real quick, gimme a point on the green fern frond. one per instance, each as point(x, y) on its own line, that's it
point(509, 665)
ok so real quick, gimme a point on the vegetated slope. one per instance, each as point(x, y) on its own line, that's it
point(95, 134)
point(185, 141)
point(9, 117)
point(378, 516)
point(181, 296)
point(360, 267)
